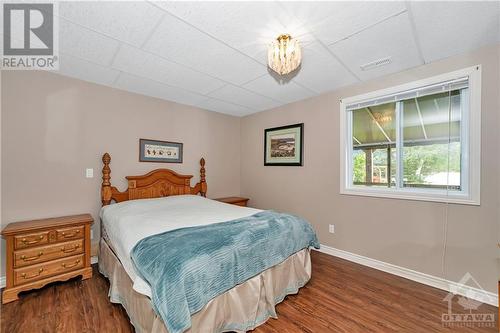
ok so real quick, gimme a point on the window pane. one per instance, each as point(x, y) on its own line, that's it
point(359, 166)
point(431, 141)
point(374, 125)
point(374, 166)
point(374, 140)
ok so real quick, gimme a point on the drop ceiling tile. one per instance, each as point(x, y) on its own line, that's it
point(181, 43)
point(334, 20)
point(156, 89)
point(286, 93)
point(224, 107)
point(448, 28)
point(307, 14)
point(86, 44)
point(357, 32)
point(85, 70)
point(240, 96)
point(140, 63)
point(390, 38)
point(322, 72)
point(247, 26)
point(129, 21)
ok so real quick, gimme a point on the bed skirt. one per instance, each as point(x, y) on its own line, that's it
point(239, 309)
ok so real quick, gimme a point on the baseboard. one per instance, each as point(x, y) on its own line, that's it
point(93, 260)
point(430, 280)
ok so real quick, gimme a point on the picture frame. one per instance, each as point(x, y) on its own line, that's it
point(284, 145)
point(160, 151)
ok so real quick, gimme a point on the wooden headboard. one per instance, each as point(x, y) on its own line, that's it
point(155, 184)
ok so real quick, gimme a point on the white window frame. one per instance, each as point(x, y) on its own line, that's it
point(470, 136)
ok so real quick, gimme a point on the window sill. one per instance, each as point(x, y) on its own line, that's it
point(438, 196)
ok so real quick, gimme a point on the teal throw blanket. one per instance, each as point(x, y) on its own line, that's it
point(188, 267)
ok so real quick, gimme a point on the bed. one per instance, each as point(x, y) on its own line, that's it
point(163, 204)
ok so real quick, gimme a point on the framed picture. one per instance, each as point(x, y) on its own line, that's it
point(284, 145)
point(160, 151)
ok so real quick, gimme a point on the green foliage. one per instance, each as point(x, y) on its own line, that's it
point(418, 161)
point(422, 161)
point(359, 161)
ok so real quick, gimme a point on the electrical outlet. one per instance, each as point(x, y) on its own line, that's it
point(331, 228)
point(89, 173)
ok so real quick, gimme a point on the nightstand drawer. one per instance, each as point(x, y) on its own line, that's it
point(49, 252)
point(69, 233)
point(31, 240)
point(42, 251)
point(40, 271)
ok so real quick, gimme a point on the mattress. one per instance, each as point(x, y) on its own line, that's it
point(126, 223)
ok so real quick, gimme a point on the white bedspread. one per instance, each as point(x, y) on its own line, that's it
point(128, 222)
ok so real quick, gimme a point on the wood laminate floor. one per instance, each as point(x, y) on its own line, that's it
point(341, 297)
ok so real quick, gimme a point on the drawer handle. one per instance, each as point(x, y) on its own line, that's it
point(32, 258)
point(73, 265)
point(65, 235)
point(65, 250)
point(25, 241)
point(27, 277)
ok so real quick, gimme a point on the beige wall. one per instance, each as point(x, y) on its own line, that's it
point(54, 127)
point(401, 232)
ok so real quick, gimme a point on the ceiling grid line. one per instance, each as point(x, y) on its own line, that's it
point(217, 89)
point(142, 50)
point(260, 77)
point(327, 49)
point(368, 27)
point(339, 60)
point(321, 44)
point(304, 86)
point(148, 37)
point(115, 81)
point(115, 54)
point(414, 32)
point(122, 42)
point(280, 4)
point(206, 96)
point(243, 88)
point(251, 80)
point(191, 92)
point(205, 33)
point(226, 44)
point(156, 81)
point(145, 47)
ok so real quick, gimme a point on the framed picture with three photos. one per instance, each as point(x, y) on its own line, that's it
point(284, 145)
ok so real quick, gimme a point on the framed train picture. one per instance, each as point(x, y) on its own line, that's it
point(284, 145)
point(160, 151)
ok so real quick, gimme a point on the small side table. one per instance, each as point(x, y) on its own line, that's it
point(238, 201)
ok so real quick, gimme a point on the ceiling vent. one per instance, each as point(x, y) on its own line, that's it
point(376, 63)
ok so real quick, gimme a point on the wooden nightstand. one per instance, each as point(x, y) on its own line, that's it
point(239, 201)
point(44, 251)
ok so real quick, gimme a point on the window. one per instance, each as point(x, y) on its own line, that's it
point(416, 141)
